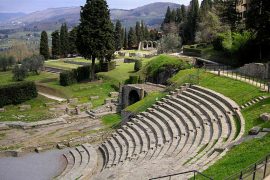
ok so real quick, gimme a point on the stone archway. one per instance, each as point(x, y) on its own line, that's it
point(133, 97)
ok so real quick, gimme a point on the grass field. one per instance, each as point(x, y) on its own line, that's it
point(37, 112)
point(61, 65)
point(6, 77)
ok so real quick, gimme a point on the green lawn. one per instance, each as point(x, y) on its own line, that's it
point(37, 112)
point(145, 103)
point(120, 73)
point(238, 91)
point(83, 91)
point(252, 114)
point(60, 64)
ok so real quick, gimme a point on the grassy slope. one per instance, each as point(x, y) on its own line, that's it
point(111, 119)
point(238, 91)
point(61, 65)
point(145, 103)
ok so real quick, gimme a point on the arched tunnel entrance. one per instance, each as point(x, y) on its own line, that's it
point(133, 97)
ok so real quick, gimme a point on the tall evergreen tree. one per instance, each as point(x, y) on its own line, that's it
point(229, 14)
point(44, 46)
point(118, 35)
point(258, 20)
point(173, 16)
point(126, 40)
point(138, 32)
point(179, 17)
point(206, 6)
point(64, 44)
point(122, 37)
point(55, 44)
point(146, 33)
point(72, 41)
point(183, 13)
point(168, 16)
point(95, 37)
point(193, 20)
point(142, 30)
point(132, 39)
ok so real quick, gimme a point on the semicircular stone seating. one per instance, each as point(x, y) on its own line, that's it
point(190, 129)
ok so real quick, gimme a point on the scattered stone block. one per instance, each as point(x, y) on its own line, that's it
point(114, 94)
point(24, 107)
point(2, 110)
point(50, 104)
point(3, 127)
point(77, 110)
point(254, 131)
point(73, 101)
point(265, 116)
point(266, 130)
point(108, 101)
point(94, 97)
point(38, 149)
point(60, 146)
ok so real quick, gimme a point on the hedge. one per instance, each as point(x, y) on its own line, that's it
point(107, 66)
point(67, 78)
point(83, 73)
point(17, 93)
point(133, 79)
point(192, 51)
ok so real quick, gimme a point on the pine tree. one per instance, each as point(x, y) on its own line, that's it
point(55, 44)
point(167, 16)
point(95, 37)
point(126, 40)
point(72, 41)
point(44, 47)
point(132, 39)
point(138, 32)
point(118, 35)
point(64, 44)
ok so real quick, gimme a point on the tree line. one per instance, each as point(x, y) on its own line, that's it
point(217, 22)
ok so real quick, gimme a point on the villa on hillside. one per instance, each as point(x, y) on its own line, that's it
point(242, 6)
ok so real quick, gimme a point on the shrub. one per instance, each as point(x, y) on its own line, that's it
point(17, 93)
point(6, 62)
point(192, 51)
point(19, 73)
point(67, 78)
point(217, 43)
point(138, 65)
point(133, 80)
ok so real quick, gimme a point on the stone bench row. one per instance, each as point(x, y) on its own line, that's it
point(167, 123)
point(81, 163)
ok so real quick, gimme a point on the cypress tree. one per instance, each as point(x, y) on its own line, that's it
point(44, 47)
point(183, 13)
point(126, 40)
point(173, 16)
point(193, 19)
point(168, 16)
point(64, 44)
point(132, 38)
point(55, 44)
point(122, 37)
point(118, 35)
point(95, 37)
point(146, 33)
point(72, 41)
point(142, 30)
point(138, 32)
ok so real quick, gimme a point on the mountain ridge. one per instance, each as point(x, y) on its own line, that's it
point(51, 18)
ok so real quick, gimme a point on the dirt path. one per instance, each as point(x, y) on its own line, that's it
point(59, 99)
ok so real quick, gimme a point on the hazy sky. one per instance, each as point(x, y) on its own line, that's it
point(34, 5)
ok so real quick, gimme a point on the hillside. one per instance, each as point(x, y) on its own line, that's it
point(50, 19)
